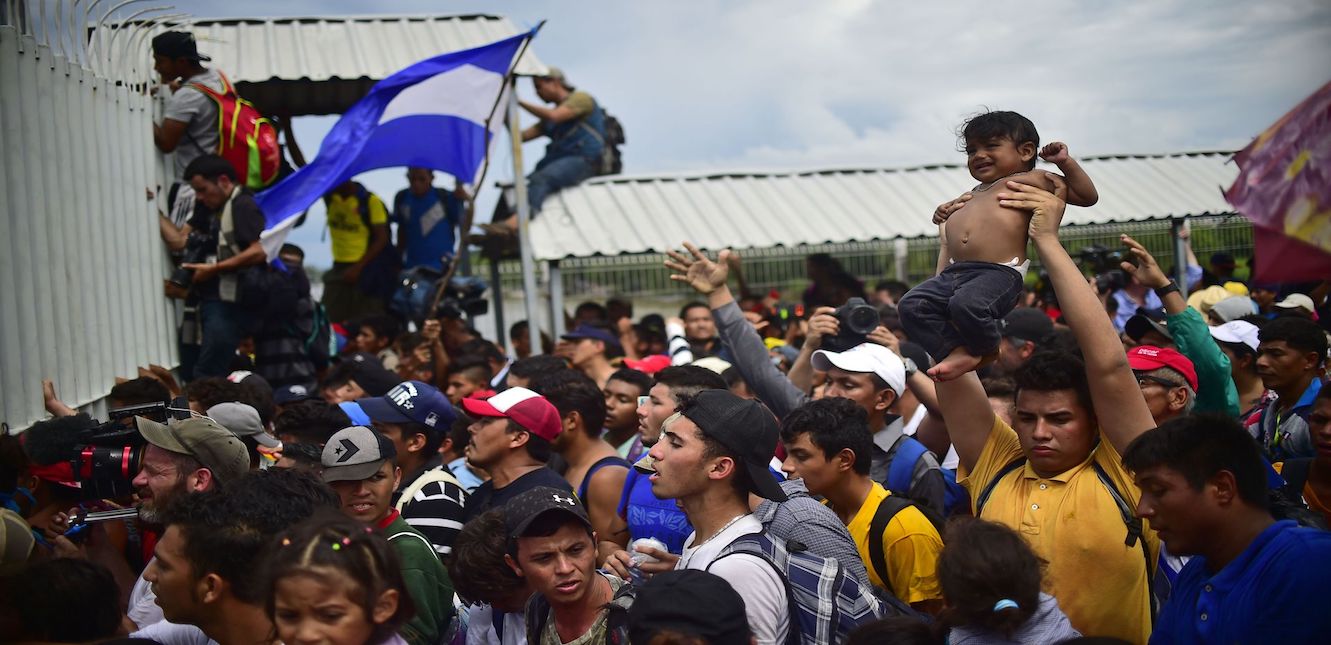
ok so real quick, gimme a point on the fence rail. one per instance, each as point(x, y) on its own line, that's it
point(783, 269)
point(81, 266)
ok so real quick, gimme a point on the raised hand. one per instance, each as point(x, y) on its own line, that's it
point(1146, 269)
point(1055, 153)
point(1046, 208)
point(697, 270)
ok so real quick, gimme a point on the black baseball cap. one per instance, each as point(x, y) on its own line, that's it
point(1027, 324)
point(1145, 320)
point(692, 603)
point(177, 44)
point(594, 333)
point(521, 511)
point(747, 428)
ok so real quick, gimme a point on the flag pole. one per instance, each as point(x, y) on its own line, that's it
point(524, 220)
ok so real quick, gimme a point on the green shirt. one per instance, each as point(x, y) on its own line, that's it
point(1215, 384)
point(427, 583)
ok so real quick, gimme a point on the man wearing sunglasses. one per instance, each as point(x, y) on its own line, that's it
point(1167, 379)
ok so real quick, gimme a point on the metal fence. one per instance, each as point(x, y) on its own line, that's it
point(81, 265)
point(783, 269)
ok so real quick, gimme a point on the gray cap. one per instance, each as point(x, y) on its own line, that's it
point(243, 420)
point(217, 448)
point(355, 453)
point(1234, 308)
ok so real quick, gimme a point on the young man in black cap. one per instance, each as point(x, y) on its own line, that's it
point(189, 123)
point(552, 546)
point(358, 464)
point(415, 417)
point(712, 454)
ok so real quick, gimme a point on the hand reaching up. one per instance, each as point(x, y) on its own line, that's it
point(697, 270)
point(1055, 153)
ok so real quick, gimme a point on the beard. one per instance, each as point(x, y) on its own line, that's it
point(153, 510)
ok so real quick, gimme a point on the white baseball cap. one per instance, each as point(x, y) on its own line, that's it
point(1297, 301)
point(866, 358)
point(1236, 331)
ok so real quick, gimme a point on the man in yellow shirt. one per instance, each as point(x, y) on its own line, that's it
point(828, 445)
point(1057, 476)
point(359, 234)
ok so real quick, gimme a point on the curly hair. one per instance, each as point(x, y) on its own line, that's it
point(477, 567)
point(833, 424)
point(982, 563)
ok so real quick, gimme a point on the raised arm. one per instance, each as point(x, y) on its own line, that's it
point(1081, 190)
point(968, 416)
point(1118, 402)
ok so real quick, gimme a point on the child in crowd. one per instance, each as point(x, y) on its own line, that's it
point(956, 314)
point(334, 579)
point(991, 584)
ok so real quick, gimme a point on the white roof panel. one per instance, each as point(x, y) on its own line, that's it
point(639, 214)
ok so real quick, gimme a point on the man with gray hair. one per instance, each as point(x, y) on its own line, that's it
point(1167, 379)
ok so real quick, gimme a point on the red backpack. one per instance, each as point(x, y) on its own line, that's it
point(244, 137)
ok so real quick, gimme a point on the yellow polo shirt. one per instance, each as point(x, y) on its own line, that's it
point(1071, 521)
point(346, 228)
point(910, 547)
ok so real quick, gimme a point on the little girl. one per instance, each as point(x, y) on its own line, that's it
point(332, 580)
point(991, 582)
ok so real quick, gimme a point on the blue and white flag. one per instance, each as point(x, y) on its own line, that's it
point(439, 113)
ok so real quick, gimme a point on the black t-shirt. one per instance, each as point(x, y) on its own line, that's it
point(248, 222)
point(488, 498)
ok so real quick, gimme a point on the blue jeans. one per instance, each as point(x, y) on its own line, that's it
point(553, 175)
point(225, 324)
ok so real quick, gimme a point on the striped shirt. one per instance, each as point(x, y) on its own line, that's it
point(435, 506)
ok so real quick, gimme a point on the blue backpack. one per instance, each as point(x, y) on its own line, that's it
point(903, 466)
point(825, 603)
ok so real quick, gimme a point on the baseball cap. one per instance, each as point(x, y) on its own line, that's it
point(217, 448)
point(747, 428)
point(1223, 259)
point(713, 363)
point(690, 602)
point(865, 358)
point(648, 365)
point(1144, 358)
point(291, 394)
point(1026, 323)
point(1233, 308)
point(527, 408)
point(521, 511)
point(16, 541)
point(354, 412)
point(1203, 299)
point(592, 332)
point(557, 74)
point(1237, 331)
point(177, 44)
point(243, 421)
point(1297, 301)
point(1146, 320)
point(411, 402)
point(355, 453)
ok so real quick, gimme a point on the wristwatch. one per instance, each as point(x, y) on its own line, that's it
point(911, 367)
point(1172, 287)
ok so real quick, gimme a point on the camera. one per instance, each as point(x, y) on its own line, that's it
point(197, 250)
point(1106, 265)
point(856, 320)
point(463, 297)
point(103, 458)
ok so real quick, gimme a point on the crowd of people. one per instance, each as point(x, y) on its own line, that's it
point(981, 462)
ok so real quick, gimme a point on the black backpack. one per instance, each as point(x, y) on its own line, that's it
point(379, 278)
point(887, 510)
point(611, 163)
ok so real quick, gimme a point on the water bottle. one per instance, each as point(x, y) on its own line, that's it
point(637, 557)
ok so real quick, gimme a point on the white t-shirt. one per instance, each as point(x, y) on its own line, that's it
point(481, 629)
point(143, 609)
point(198, 111)
point(951, 460)
point(168, 633)
point(763, 591)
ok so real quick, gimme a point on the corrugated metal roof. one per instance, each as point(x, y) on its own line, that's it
point(323, 65)
point(647, 214)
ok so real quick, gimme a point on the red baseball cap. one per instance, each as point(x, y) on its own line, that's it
point(649, 365)
point(525, 407)
point(1144, 358)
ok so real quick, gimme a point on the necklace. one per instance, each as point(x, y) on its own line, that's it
point(729, 524)
point(984, 187)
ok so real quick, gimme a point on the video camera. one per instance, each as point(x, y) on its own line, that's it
point(103, 458)
point(463, 296)
point(857, 319)
point(198, 246)
point(1105, 264)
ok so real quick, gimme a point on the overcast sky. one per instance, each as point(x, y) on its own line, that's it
point(761, 84)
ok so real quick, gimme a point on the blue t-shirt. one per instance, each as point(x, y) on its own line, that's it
point(651, 517)
point(430, 226)
point(1275, 591)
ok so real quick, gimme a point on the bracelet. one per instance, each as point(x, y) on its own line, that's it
point(911, 367)
point(1172, 287)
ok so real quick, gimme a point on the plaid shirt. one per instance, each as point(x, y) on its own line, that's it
point(807, 521)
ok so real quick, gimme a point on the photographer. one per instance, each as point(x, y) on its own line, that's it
point(222, 238)
point(867, 372)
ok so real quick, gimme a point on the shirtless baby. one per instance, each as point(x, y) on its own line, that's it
point(982, 265)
